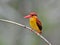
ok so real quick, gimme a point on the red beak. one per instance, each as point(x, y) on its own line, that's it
point(28, 16)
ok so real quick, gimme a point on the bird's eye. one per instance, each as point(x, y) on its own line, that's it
point(32, 15)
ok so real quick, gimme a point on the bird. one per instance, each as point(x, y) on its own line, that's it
point(34, 22)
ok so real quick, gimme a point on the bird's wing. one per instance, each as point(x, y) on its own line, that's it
point(39, 24)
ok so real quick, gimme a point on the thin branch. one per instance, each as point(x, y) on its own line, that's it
point(27, 28)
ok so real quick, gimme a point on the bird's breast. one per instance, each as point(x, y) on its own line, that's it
point(33, 24)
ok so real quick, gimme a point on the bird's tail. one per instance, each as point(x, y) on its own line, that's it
point(40, 32)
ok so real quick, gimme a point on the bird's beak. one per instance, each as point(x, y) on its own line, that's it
point(28, 16)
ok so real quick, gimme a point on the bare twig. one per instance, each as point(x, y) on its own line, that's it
point(27, 28)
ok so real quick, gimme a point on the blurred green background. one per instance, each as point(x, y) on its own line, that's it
point(15, 10)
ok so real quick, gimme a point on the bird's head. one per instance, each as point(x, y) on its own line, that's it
point(31, 15)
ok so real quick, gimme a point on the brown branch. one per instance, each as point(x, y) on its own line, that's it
point(27, 28)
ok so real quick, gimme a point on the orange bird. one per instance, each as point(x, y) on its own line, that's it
point(34, 22)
